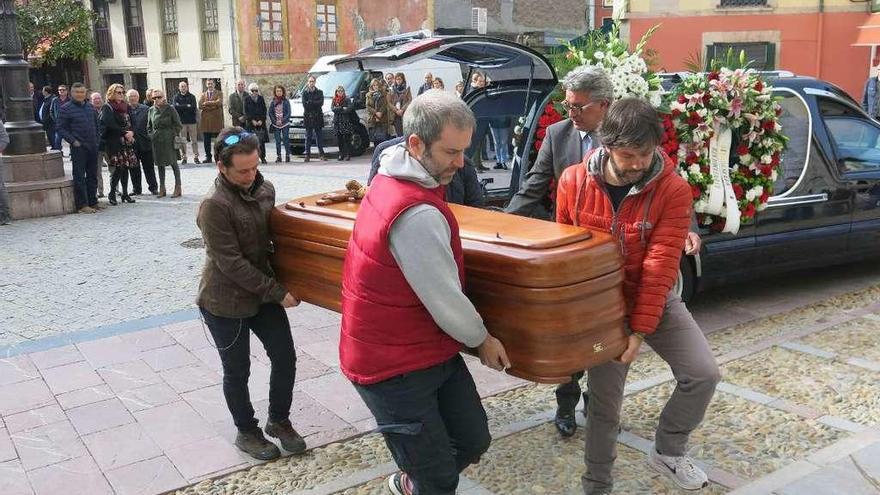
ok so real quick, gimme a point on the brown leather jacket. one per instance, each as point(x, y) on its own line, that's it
point(237, 276)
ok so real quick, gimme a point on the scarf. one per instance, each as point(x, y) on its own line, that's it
point(279, 99)
point(400, 88)
point(338, 99)
point(119, 106)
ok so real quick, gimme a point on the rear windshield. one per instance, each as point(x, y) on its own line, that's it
point(328, 81)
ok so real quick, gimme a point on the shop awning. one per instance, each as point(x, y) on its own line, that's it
point(869, 32)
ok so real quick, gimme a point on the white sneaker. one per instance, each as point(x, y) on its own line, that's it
point(681, 470)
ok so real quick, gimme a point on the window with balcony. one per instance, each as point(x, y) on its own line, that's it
point(742, 3)
point(103, 41)
point(210, 30)
point(169, 30)
point(134, 28)
point(762, 55)
point(326, 23)
point(271, 31)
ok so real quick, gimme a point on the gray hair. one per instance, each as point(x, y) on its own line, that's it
point(631, 123)
point(133, 92)
point(590, 79)
point(253, 86)
point(433, 110)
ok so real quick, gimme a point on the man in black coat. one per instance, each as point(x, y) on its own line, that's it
point(185, 104)
point(143, 146)
point(464, 189)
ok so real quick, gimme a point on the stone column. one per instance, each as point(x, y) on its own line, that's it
point(34, 177)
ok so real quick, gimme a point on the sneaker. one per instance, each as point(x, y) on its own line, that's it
point(87, 209)
point(290, 439)
point(400, 484)
point(681, 470)
point(254, 444)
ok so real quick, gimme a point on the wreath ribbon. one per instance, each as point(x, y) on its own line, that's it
point(721, 191)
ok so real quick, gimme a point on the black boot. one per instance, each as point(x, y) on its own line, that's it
point(114, 183)
point(125, 197)
point(255, 445)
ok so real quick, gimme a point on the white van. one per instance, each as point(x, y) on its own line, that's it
point(356, 83)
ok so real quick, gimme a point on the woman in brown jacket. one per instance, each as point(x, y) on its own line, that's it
point(399, 96)
point(211, 118)
point(379, 115)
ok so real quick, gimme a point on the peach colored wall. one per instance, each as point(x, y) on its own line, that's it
point(378, 16)
point(842, 64)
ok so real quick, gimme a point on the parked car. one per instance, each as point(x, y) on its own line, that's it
point(825, 207)
point(356, 81)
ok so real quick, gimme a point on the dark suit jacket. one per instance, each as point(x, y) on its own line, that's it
point(464, 189)
point(561, 148)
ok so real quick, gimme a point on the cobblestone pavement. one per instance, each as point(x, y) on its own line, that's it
point(77, 272)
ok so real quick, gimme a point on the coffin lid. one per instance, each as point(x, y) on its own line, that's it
point(476, 225)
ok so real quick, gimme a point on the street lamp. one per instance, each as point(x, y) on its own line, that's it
point(34, 177)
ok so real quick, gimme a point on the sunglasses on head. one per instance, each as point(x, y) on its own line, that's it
point(236, 138)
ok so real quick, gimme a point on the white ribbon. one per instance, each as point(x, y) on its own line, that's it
point(721, 191)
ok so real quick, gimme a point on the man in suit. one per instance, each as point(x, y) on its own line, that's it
point(236, 103)
point(588, 94)
point(464, 189)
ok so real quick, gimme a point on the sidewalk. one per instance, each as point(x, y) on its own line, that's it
point(143, 412)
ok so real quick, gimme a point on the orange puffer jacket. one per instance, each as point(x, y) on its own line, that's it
point(651, 225)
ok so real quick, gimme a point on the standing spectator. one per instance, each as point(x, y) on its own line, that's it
point(185, 105)
point(313, 117)
point(5, 214)
point(37, 101)
point(46, 116)
point(143, 147)
point(500, 127)
point(211, 119)
point(163, 125)
point(438, 83)
point(378, 113)
point(459, 89)
point(54, 112)
point(236, 104)
point(255, 112)
point(118, 140)
point(429, 83)
point(389, 81)
point(148, 97)
point(97, 102)
point(279, 115)
point(78, 125)
point(343, 123)
point(478, 141)
point(871, 96)
point(400, 97)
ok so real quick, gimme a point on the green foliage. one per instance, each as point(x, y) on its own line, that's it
point(55, 29)
point(730, 61)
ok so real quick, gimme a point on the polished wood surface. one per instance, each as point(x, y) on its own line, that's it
point(551, 293)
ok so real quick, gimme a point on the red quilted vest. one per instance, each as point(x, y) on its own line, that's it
point(386, 331)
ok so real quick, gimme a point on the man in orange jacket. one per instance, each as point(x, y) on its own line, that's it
point(629, 188)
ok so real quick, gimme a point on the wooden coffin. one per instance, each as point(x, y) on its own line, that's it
point(551, 293)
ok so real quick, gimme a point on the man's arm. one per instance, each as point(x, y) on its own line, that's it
point(419, 241)
point(63, 127)
point(221, 246)
point(534, 190)
point(662, 256)
point(473, 191)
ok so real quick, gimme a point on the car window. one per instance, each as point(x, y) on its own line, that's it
point(795, 121)
point(831, 108)
point(328, 81)
point(857, 141)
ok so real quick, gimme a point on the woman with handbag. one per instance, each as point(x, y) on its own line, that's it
point(343, 125)
point(119, 141)
point(255, 112)
point(163, 128)
point(279, 116)
point(378, 113)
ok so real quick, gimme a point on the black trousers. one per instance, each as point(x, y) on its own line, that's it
point(149, 172)
point(207, 141)
point(85, 180)
point(344, 141)
point(433, 423)
point(569, 394)
point(232, 338)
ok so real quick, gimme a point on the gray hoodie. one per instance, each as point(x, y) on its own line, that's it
point(420, 242)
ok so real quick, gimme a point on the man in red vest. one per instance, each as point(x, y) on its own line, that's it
point(405, 316)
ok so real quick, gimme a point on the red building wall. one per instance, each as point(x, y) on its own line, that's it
point(803, 48)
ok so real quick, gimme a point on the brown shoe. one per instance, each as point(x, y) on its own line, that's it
point(161, 193)
point(290, 439)
point(254, 444)
point(176, 192)
point(87, 209)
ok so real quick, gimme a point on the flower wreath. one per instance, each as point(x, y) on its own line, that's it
point(723, 130)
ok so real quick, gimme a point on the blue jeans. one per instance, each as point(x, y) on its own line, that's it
point(475, 150)
point(282, 137)
point(85, 178)
point(501, 135)
point(433, 423)
point(313, 136)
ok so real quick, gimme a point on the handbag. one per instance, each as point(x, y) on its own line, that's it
point(378, 134)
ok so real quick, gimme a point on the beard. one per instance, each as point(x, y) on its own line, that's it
point(436, 170)
point(627, 177)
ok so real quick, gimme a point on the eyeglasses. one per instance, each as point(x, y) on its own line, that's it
point(158, 98)
point(573, 109)
point(255, 91)
point(119, 92)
